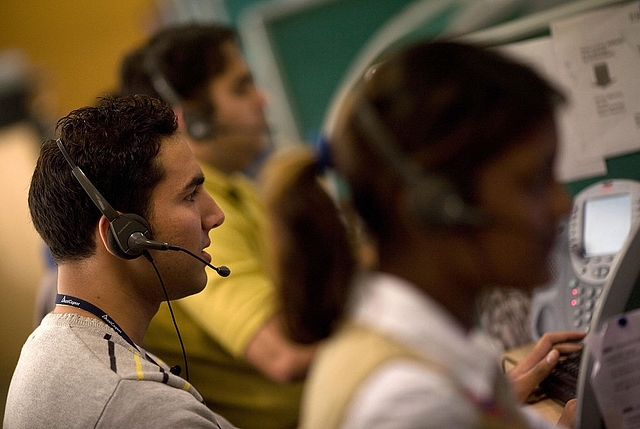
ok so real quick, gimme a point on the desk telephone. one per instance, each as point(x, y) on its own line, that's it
point(588, 247)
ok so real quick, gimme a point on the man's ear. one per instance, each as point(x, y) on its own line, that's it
point(103, 231)
point(177, 110)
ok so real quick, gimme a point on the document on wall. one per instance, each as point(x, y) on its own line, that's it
point(572, 163)
point(615, 377)
point(598, 57)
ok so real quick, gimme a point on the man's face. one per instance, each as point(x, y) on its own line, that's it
point(241, 127)
point(182, 213)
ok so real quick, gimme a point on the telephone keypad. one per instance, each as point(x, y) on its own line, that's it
point(583, 300)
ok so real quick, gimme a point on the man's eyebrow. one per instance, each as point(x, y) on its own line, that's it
point(194, 182)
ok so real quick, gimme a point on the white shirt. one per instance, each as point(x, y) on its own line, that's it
point(409, 395)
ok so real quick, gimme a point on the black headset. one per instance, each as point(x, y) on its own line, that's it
point(198, 122)
point(434, 200)
point(129, 235)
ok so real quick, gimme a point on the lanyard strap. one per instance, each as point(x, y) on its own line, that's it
point(72, 301)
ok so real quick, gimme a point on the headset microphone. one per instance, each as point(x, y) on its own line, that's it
point(137, 241)
point(128, 233)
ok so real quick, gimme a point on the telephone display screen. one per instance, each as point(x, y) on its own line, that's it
point(607, 222)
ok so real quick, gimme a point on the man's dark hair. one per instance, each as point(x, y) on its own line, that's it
point(116, 144)
point(188, 57)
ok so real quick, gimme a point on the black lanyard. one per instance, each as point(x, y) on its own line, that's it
point(72, 301)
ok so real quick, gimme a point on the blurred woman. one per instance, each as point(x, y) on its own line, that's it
point(448, 154)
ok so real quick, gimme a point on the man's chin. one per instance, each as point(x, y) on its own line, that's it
point(202, 285)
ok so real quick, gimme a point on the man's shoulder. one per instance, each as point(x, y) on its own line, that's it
point(80, 368)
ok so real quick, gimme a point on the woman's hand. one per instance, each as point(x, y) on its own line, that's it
point(568, 417)
point(539, 363)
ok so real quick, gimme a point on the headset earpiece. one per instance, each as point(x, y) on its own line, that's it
point(433, 201)
point(120, 233)
point(198, 123)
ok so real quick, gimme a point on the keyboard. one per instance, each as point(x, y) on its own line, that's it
point(561, 384)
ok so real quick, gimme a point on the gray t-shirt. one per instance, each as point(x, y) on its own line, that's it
point(77, 372)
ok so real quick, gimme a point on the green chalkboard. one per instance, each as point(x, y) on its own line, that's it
point(316, 46)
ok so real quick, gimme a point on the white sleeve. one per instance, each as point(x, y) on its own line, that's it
point(537, 421)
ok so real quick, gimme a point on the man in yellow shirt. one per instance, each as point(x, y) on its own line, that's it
point(238, 355)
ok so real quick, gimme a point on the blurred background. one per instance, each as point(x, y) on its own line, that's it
point(60, 55)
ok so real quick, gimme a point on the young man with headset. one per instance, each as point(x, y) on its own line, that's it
point(232, 329)
point(119, 183)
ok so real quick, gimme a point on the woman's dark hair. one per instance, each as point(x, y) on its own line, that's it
point(450, 108)
point(115, 144)
point(312, 250)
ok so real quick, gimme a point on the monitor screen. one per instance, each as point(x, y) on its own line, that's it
point(607, 222)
